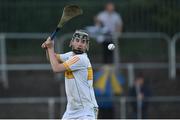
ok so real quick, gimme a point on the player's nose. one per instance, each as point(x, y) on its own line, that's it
point(79, 44)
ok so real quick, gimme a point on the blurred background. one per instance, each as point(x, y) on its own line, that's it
point(139, 79)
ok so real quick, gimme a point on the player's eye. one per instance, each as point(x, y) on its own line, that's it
point(83, 41)
point(77, 40)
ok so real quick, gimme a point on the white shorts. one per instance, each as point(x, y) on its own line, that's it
point(83, 114)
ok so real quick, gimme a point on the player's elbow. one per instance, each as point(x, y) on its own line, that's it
point(55, 70)
point(58, 70)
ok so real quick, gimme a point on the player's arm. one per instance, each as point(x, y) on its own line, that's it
point(119, 24)
point(56, 66)
point(57, 57)
point(60, 57)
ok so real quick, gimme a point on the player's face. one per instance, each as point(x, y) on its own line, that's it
point(110, 7)
point(140, 81)
point(79, 44)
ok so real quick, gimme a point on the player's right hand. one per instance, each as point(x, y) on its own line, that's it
point(43, 46)
point(48, 43)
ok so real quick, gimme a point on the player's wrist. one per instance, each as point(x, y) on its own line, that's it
point(50, 48)
point(49, 45)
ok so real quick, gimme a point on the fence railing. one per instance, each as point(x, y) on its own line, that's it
point(171, 42)
point(51, 101)
point(171, 65)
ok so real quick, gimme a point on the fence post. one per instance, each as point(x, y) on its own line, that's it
point(3, 61)
point(173, 55)
point(116, 52)
point(123, 107)
point(172, 65)
point(51, 108)
point(130, 69)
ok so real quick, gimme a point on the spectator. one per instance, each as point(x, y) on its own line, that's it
point(111, 23)
point(140, 91)
point(107, 23)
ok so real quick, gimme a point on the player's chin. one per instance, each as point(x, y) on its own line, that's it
point(78, 51)
point(81, 50)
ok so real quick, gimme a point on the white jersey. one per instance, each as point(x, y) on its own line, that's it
point(110, 21)
point(78, 83)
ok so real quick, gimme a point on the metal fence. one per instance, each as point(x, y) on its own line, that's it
point(51, 103)
point(171, 65)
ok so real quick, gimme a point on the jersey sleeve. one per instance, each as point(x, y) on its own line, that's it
point(61, 57)
point(75, 63)
point(100, 16)
point(119, 20)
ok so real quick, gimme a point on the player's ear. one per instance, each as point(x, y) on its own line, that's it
point(87, 46)
point(70, 44)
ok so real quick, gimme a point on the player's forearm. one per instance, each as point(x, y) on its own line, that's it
point(54, 62)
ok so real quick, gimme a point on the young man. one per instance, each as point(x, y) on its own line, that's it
point(141, 91)
point(111, 23)
point(81, 102)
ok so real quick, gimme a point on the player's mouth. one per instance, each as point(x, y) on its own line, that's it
point(78, 51)
point(79, 48)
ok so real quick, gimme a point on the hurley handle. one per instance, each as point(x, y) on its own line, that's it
point(54, 33)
